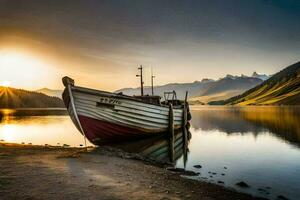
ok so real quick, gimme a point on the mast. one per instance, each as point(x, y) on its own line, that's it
point(152, 77)
point(142, 82)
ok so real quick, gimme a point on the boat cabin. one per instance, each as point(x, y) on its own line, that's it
point(169, 97)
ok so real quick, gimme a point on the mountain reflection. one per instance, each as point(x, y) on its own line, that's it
point(31, 112)
point(22, 116)
point(283, 122)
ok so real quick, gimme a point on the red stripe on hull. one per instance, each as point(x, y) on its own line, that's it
point(98, 131)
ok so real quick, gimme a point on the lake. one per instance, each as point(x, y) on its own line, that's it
point(257, 145)
point(36, 126)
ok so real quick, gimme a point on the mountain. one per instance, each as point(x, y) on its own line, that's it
point(225, 88)
point(49, 92)
point(18, 98)
point(283, 88)
point(260, 76)
point(254, 75)
point(201, 92)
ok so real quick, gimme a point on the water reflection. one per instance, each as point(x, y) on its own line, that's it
point(38, 126)
point(163, 148)
point(31, 112)
point(257, 145)
point(282, 122)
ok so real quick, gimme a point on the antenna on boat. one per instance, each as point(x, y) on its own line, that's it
point(142, 82)
point(152, 77)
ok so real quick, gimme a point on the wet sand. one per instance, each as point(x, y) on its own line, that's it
point(39, 172)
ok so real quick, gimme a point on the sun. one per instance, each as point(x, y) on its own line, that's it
point(23, 69)
point(5, 83)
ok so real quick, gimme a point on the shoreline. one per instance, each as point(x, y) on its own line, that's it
point(50, 172)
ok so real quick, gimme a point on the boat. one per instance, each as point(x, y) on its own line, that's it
point(103, 116)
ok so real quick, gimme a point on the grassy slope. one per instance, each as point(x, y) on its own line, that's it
point(18, 98)
point(281, 89)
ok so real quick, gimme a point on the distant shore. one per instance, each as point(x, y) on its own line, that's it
point(58, 108)
point(32, 111)
point(47, 172)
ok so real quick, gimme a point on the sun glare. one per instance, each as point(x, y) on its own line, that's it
point(22, 70)
point(5, 83)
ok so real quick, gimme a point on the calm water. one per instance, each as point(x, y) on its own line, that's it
point(257, 145)
point(36, 126)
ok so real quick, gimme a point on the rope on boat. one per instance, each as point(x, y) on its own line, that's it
point(85, 142)
point(171, 132)
point(68, 82)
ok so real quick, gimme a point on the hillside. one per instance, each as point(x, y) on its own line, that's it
point(205, 90)
point(51, 93)
point(283, 88)
point(225, 88)
point(18, 98)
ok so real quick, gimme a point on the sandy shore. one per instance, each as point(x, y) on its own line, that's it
point(37, 172)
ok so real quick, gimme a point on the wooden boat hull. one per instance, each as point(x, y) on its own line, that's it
point(103, 116)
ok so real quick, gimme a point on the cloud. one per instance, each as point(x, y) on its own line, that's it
point(195, 38)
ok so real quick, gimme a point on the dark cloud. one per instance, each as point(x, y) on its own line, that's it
point(116, 22)
point(123, 33)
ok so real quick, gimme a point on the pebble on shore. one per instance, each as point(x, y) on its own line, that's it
point(281, 197)
point(183, 171)
point(198, 166)
point(242, 184)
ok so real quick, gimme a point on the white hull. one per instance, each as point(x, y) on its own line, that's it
point(100, 114)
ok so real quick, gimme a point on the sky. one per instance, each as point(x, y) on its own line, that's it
point(101, 43)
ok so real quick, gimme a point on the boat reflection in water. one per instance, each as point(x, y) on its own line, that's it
point(164, 149)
